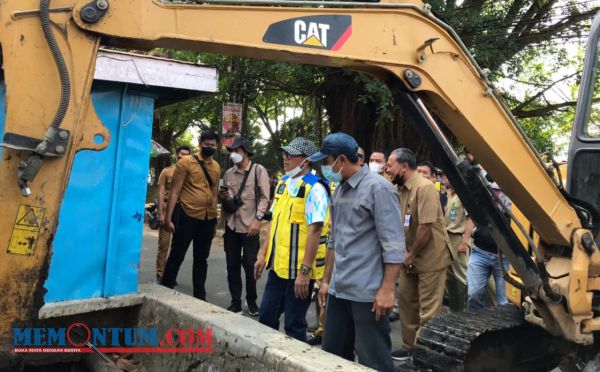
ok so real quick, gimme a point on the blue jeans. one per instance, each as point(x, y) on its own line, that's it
point(482, 264)
point(279, 298)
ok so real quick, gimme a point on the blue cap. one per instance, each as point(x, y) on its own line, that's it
point(336, 144)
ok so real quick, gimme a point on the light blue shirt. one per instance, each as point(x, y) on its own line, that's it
point(317, 200)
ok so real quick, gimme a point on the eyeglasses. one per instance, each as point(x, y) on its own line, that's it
point(287, 156)
point(360, 156)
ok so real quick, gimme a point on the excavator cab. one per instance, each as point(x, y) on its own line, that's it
point(584, 150)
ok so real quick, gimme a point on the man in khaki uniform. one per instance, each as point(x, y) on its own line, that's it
point(164, 191)
point(459, 227)
point(192, 212)
point(428, 255)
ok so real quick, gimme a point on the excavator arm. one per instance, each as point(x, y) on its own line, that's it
point(429, 70)
point(389, 41)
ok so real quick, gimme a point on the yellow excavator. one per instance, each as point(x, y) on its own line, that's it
point(49, 51)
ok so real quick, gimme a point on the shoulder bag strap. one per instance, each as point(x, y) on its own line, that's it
point(256, 187)
point(203, 166)
point(239, 194)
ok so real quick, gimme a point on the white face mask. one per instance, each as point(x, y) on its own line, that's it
point(375, 167)
point(294, 172)
point(236, 158)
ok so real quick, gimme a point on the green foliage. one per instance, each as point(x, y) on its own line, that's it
point(302, 126)
point(267, 89)
point(518, 40)
point(186, 139)
point(378, 93)
point(546, 132)
point(265, 154)
point(592, 126)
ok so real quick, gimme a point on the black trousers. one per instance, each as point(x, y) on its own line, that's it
point(201, 232)
point(351, 327)
point(240, 251)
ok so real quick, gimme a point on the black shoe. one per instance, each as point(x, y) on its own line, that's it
point(314, 340)
point(158, 279)
point(393, 316)
point(400, 355)
point(234, 308)
point(252, 308)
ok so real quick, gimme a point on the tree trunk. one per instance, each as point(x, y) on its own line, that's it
point(346, 114)
point(160, 134)
point(349, 115)
point(319, 118)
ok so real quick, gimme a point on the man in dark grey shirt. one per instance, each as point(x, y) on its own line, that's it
point(366, 249)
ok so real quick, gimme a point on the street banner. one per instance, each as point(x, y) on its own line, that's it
point(232, 122)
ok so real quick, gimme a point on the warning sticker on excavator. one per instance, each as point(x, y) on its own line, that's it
point(26, 230)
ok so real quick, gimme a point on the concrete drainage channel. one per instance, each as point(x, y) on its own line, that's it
point(238, 343)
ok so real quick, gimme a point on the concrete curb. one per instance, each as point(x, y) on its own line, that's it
point(240, 343)
point(75, 307)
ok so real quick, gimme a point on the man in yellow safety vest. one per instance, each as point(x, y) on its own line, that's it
point(295, 251)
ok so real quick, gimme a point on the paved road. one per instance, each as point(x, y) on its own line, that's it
point(216, 282)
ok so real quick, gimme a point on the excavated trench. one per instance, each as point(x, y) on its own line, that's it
point(192, 335)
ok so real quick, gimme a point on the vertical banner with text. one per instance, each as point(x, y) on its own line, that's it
point(232, 122)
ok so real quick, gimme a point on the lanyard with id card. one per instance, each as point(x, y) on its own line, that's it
point(407, 217)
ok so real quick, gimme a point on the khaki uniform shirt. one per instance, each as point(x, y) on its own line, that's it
point(241, 220)
point(165, 179)
point(455, 217)
point(196, 197)
point(421, 205)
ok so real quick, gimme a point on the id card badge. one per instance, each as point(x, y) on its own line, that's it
point(407, 220)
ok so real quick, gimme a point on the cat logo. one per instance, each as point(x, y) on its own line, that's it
point(328, 32)
point(313, 34)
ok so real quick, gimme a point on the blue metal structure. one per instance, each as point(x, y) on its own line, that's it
point(98, 242)
point(97, 246)
point(99, 237)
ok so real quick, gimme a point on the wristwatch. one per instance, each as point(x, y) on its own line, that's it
point(260, 218)
point(305, 270)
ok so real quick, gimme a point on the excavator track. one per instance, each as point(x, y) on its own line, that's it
point(492, 339)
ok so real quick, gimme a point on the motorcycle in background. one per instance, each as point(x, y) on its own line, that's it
point(152, 215)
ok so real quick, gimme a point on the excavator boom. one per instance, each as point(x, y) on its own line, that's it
point(386, 41)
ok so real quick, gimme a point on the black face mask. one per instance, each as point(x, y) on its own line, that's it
point(398, 181)
point(208, 151)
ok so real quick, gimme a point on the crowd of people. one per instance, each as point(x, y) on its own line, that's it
point(375, 239)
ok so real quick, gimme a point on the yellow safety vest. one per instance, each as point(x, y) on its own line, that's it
point(289, 231)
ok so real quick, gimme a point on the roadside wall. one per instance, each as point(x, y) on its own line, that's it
point(239, 343)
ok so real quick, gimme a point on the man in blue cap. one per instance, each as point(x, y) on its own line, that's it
point(366, 250)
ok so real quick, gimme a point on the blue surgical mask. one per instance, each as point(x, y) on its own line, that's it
point(296, 171)
point(327, 171)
